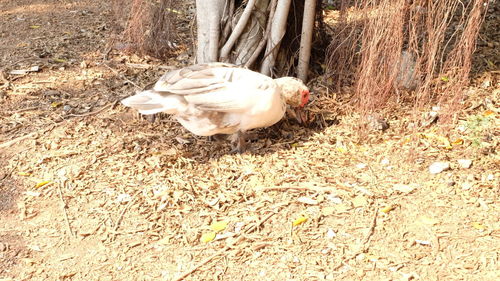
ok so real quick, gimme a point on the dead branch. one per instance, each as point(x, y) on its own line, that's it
point(16, 140)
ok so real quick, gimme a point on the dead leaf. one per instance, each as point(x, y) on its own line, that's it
point(307, 200)
point(403, 188)
point(207, 237)
point(219, 226)
point(299, 220)
point(326, 211)
point(359, 201)
point(488, 113)
point(428, 220)
point(387, 209)
point(40, 184)
point(56, 104)
point(478, 225)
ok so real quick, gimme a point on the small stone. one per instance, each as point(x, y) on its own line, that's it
point(3, 247)
point(490, 177)
point(438, 167)
point(384, 162)
point(464, 163)
point(123, 198)
point(67, 108)
point(361, 166)
point(330, 233)
point(467, 185)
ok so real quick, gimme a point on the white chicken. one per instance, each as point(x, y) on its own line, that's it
point(221, 98)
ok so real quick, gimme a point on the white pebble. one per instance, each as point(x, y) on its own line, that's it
point(438, 167)
point(330, 233)
point(361, 166)
point(464, 163)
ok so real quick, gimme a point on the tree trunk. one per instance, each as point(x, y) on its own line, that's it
point(208, 16)
point(277, 32)
point(306, 39)
point(243, 33)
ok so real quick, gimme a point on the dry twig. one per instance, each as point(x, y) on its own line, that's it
point(287, 188)
point(93, 112)
point(225, 249)
point(64, 206)
point(120, 218)
point(363, 249)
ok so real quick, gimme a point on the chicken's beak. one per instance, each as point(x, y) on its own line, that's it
point(298, 114)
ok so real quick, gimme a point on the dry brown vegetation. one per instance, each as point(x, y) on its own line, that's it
point(416, 52)
point(90, 191)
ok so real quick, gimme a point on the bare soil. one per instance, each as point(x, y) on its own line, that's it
point(90, 191)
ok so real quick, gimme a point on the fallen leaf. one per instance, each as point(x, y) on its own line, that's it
point(387, 209)
point(372, 257)
point(35, 26)
point(326, 211)
point(164, 241)
point(478, 225)
point(299, 220)
point(341, 149)
point(488, 113)
point(56, 104)
point(40, 184)
point(359, 201)
point(59, 60)
point(445, 79)
point(207, 237)
point(404, 188)
point(24, 174)
point(32, 193)
point(341, 208)
point(458, 142)
point(428, 220)
point(307, 200)
point(219, 226)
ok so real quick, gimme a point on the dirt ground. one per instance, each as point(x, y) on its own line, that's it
point(90, 191)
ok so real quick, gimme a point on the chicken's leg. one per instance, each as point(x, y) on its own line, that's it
point(238, 142)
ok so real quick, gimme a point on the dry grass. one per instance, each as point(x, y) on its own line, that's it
point(415, 52)
point(138, 196)
point(150, 26)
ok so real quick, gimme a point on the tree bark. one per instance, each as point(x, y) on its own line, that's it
point(306, 39)
point(208, 16)
point(278, 30)
point(238, 29)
